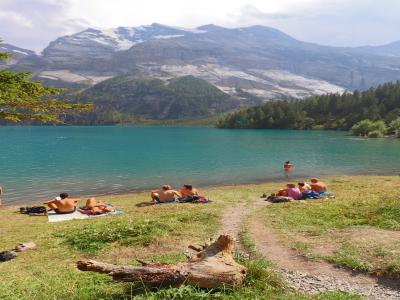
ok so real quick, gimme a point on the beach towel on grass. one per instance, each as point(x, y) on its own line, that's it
point(54, 217)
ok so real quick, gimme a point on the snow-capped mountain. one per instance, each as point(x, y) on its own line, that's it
point(98, 42)
point(258, 60)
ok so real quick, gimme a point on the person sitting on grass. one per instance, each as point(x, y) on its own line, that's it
point(62, 204)
point(188, 190)
point(318, 186)
point(165, 194)
point(304, 187)
point(293, 192)
point(189, 194)
point(94, 208)
point(290, 191)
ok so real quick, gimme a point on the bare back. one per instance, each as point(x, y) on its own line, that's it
point(168, 195)
point(66, 205)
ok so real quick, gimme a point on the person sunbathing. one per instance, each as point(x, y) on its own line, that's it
point(281, 192)
point(93, 207)
point(318, 186)
point(304, 187)
point(62, 204)
point(188, 190)
point(165, 194)
point(290, 191)
point(293, 192)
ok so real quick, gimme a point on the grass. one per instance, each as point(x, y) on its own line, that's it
point(149, 233)
point(247, 242)
point(159, 233)
point(360, 229)
point(141, 231)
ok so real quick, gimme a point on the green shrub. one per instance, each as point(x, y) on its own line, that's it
point(372, 129)
point(394, 127)
point(379, 126)
point(362, 127)
point(318, 127)
point(375, 134)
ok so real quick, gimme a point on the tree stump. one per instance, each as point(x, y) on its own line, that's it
point(211, 267)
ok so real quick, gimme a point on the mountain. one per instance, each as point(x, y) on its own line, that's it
point(392, 49)
point(177, 98)
point(258, 61)
point(17, 53)
point(97, 43)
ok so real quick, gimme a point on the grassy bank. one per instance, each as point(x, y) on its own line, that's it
point(162, 234)
point(360, 229)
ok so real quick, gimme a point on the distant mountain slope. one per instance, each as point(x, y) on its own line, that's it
point(183, 97)
point(258, 60)
point(16, 53)
point(392, 49)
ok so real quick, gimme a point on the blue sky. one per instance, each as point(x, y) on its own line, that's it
point(34, 23)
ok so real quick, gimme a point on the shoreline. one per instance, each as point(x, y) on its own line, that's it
point(145, 190)
point(214, 186)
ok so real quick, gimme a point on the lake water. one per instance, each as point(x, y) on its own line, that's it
point(40, 162)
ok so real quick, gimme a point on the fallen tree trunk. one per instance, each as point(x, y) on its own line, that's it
point(211, 267)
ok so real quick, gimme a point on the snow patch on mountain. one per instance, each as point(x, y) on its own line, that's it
point(267, 84)
point(123, 38)
point(20, 52)
point(171, 36)
point(68, 76)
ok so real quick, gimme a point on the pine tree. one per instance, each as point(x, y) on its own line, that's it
point(22, 99)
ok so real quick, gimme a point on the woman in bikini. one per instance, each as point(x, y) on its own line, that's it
point(94, 208)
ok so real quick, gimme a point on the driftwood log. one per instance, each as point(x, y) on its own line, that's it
point(212, 267)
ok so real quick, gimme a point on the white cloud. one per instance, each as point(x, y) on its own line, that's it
point(333, 22)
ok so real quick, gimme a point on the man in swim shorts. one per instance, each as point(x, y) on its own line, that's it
point(62, 204)
point(165, 194)
point(318, 186)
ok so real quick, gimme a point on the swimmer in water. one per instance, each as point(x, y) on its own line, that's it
point(287, 167)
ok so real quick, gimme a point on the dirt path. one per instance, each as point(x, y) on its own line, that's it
point(232, 221)
point(316, 276)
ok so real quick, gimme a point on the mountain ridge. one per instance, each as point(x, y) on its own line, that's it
point(259, 60)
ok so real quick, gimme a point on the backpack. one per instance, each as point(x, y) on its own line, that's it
point(278, 199)
point(7, 255)
point(33, 210)
point(194, 199)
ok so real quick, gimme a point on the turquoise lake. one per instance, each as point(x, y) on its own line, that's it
point(40, 162)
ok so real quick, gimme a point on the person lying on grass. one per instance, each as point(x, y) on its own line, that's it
point(94, 208)
point(165, 194)
point(62, 204)
point(188, 190)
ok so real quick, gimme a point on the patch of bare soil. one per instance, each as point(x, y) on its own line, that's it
point(231, 223)
point(371, 235)
point(316, 276)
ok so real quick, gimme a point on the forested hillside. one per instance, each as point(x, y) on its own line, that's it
point(125, 99)
point(331, 111)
